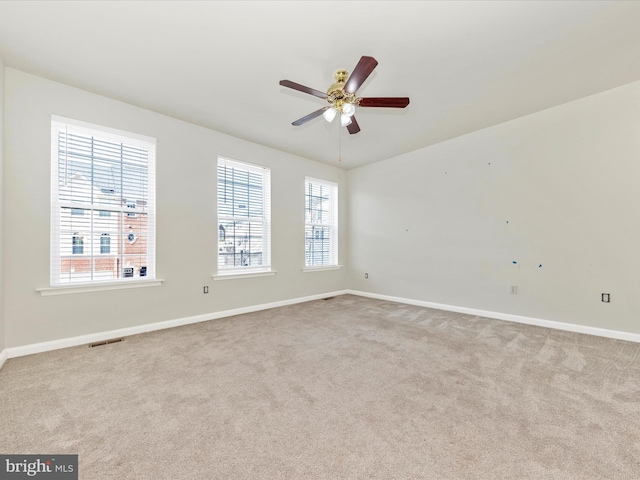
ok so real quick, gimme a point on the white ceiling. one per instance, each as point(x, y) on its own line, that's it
point(465, 65)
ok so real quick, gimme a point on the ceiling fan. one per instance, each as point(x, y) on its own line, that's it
point(342, 96)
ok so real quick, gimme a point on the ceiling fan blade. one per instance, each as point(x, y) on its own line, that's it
point(302, 88)
point(311, 116)
point(389, 102)
point(360, 73)
point(353, 127)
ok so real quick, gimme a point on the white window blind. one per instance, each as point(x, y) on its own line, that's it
point(102, 194)
point(244, 217)
point(321, 223)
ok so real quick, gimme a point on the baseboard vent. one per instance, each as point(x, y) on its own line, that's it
point(106, 342)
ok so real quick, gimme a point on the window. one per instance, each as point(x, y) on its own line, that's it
point(102, 190)
point(78, 244)
point(244, 217)
point(321, 223)
point(131, 206)
point(105, 243)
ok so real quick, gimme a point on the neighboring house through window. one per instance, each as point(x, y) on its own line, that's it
point(102, 190)
point(321, 223)
point(244, 217)
point(78, 244)
point(105, 243)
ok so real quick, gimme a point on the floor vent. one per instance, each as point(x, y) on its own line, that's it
point(106, 342)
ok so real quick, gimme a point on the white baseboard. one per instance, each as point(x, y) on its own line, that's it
point(3, 357)
point(570, 327)
point(12, 352)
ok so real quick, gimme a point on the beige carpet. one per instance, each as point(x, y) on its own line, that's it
point(342, 388)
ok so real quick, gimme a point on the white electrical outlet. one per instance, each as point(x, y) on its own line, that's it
point(513, 289)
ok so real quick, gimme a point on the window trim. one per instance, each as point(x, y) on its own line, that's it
point(333, 226)
point(249, 271)
point(98, 287)
point(245, 274)
point(56, 286)
point(321, 268)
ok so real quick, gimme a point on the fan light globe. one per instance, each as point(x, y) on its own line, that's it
point(345, 120)
point(330, 114)
point(348, 109)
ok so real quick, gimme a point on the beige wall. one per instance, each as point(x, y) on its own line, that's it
point(2, 317)
point(558, 188)
point(442, 224)
point(186, 219)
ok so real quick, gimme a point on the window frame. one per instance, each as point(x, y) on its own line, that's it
point(93, 251)
point(236, 271)
point(331, 224)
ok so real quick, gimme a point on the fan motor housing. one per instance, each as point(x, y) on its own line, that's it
point(336, 94)
point(341, 77)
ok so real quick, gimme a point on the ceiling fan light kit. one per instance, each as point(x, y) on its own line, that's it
point(345, 120)
point(329, 114)
point(342, 96)
point(349, 109)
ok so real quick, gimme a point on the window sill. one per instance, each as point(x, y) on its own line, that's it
point(321, 269)
point(97, 287)
point(238, 275)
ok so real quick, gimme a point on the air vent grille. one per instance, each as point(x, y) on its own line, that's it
point(106, 342)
